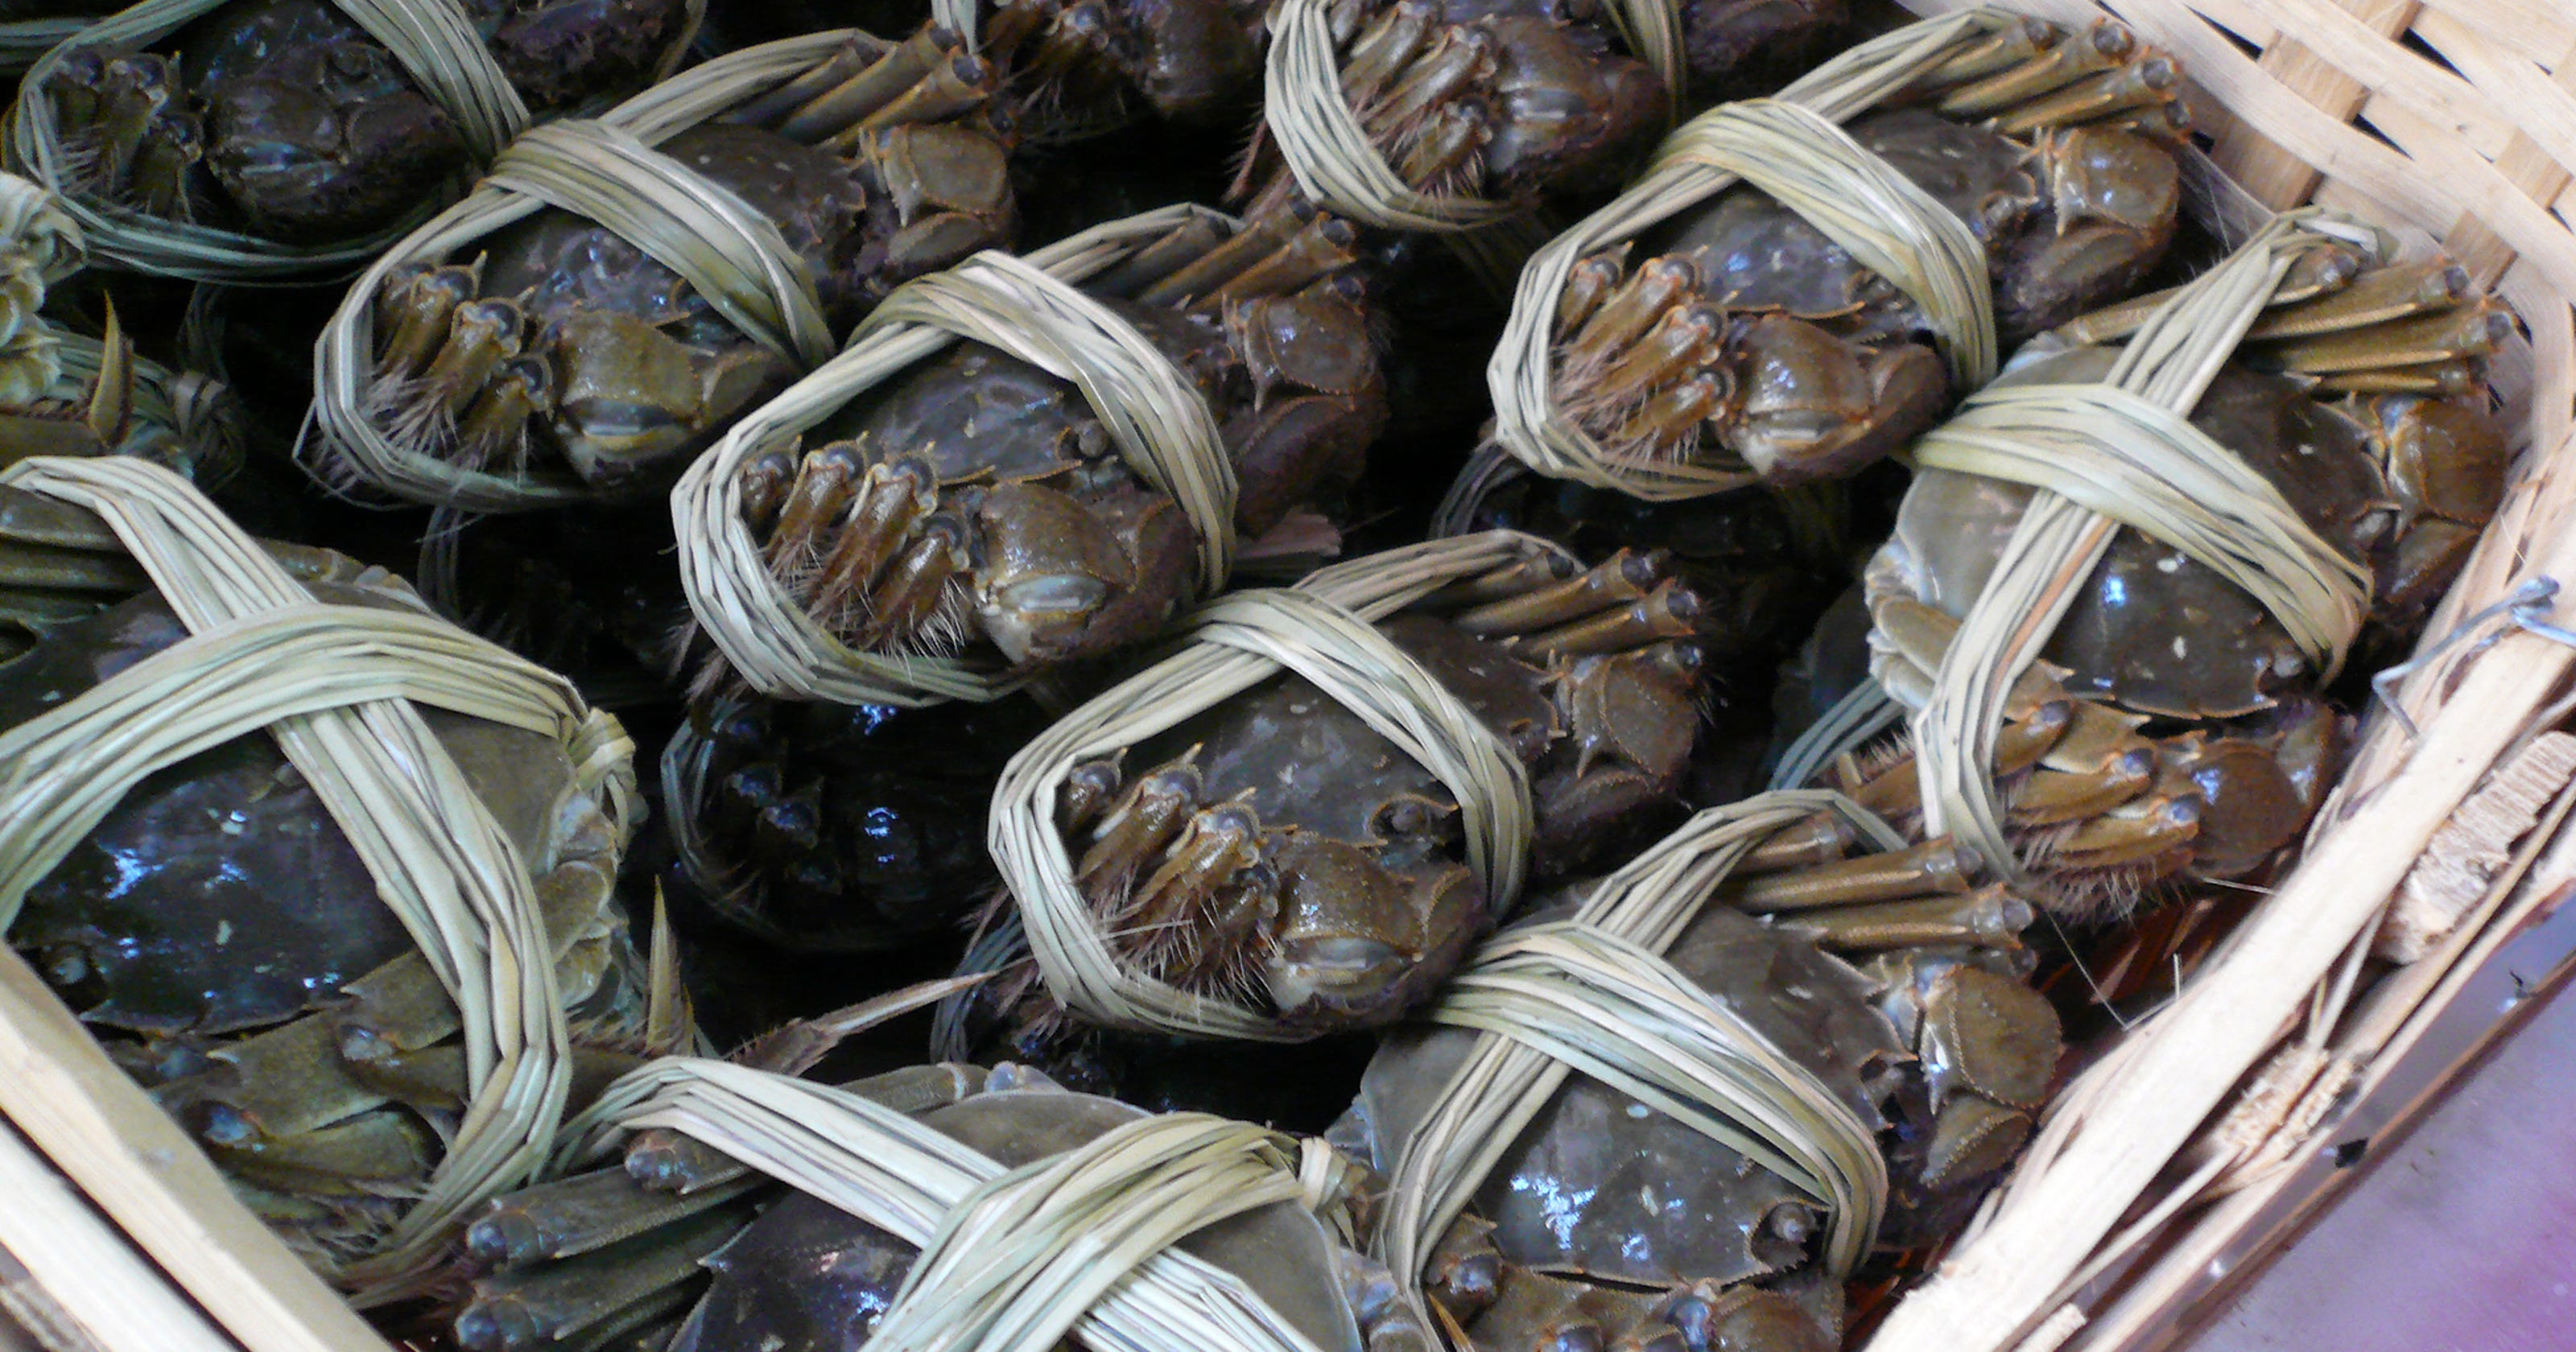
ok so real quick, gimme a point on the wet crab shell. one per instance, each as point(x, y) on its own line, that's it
point(807, 1277)
point(218, 914)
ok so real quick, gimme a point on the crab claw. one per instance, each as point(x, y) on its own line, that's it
point(631, 395)
point(1356, 941)
point(1815, 406)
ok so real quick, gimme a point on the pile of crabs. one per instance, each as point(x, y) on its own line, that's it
point(1123, 621)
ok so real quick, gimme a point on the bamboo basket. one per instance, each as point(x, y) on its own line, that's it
point(2454, 120)
point(2161, 1155)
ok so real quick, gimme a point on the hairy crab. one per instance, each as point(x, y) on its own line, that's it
point(665, 1242)
point(978, 502)
point(2173, 728)
point(1085, 67)
point(563, 352)
point(1739, 336)
point(232, 952)
point(835, 828)
point(1276, 848)
point(1497, 99)
point(1893, 980)
point(287, 118)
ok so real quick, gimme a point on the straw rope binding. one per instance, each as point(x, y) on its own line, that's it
point(336, 685)
point(606, 171)
point(1593, 994)
point(2124, 447)
point(1322, 629)
point(1794, 144)
point(1027, 307)
point(1011, 1259)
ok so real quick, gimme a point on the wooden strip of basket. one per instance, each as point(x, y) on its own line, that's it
point(2475, 152)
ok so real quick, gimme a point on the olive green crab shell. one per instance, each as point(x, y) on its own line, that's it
point(342, 688)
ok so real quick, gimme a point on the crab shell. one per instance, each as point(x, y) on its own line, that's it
point(231, 948)
point(807, 1277)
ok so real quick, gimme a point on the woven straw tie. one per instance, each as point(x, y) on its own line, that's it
point(1794, 144)
point(336, 686)
point(2123, 453)
point(1323, 630)
point(1012, 1260)
point(1593, 994)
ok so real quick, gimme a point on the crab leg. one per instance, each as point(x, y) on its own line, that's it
point(1147, 818)
point(1671, 611)
point(1590, 283)
point(2105, 45)
point(1515, 579)
point(1620, 321)
point(1941, 865)
point(2372, 298)
point(2015, 45)
point(577, 1215)
point(414, 315)
point(854, 96)
point(2135, 834)
point(892, 498)
point(495, 429)
point(914, 587)
point(767, 479)
point(1388, 45)
point(1261, 236)
point(1820, 839)
point(1459, 58)
point(1629, 575)
point(559, 1300)
point(2319, 271)
point(1444, 155)
point(666, 1161)
point(823, 488)
point(2447, 379)
point(480, 336)
point(1989, 917)
point(954, 86)
point(1187, 242)
point(2121, 89)
point(1326, 245)
point(1089, 789)
point(2412, 341)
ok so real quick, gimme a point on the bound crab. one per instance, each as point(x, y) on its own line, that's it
point(1492, 99)
point(2173, 728)
point(1891, 982)
point(1737, 336)
point(663, 1247)
point(1086, 67)
point(289, 120)
point(837, 828)
point(1277, 850)
point(979, 504)
point(229, 949)
point(561, 352)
